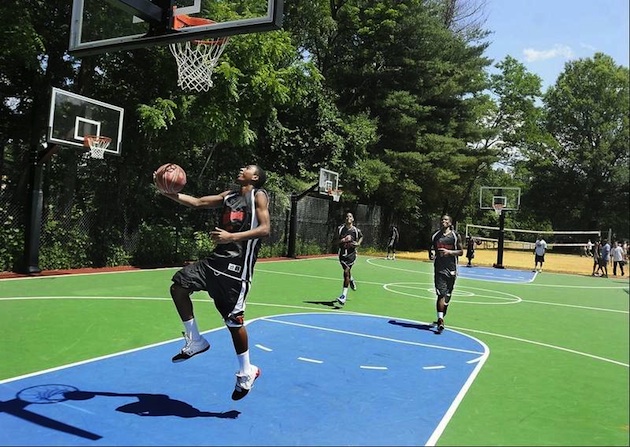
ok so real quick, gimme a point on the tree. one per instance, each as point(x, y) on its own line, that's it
point(579, 168)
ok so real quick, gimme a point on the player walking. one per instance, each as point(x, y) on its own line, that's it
point(392, 242)
point(446, 246)
point(349, 238)
point(226, 274)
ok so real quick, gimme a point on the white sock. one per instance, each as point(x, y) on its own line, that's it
point(345, 291)
point(441, 315)
point(243, 362)
point(191, 329)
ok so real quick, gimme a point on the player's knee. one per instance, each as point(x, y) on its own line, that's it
point(235, 321)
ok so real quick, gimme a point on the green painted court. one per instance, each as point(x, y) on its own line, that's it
point(557, 365)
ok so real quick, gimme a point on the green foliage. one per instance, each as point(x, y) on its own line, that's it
point(305, 248)
point(272, 250)
point(11, 242)
point(117, 256)
point(156, 245)
point(581, 166)
point(67, 244)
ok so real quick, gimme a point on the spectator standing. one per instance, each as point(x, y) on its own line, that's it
point(540, 247)
point(605, 257)
point(618, 258)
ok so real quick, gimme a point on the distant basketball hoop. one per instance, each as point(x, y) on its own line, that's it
point(498, 203)
point(97, 144)
point(335, 193)
point(196, 59)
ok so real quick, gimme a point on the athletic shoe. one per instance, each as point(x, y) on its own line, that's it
point(353, 285)
point(440, 325)
point(191, 348)
point(341, 300)
point(244, 383)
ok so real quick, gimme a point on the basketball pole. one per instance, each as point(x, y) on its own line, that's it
point(499, 264)
point(295, 198)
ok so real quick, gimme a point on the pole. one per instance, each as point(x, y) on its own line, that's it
point(293, 226)
point(293, 220)
point(499, 264)
point(34, 222)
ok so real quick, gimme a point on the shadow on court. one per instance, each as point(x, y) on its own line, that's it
point(420, 326)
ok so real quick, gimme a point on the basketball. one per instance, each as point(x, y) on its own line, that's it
point(170, 178)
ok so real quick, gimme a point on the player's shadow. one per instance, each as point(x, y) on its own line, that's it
point(153, 405)
point(422, 327)
point(332, 303)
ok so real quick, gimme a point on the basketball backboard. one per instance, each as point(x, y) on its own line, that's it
point(328, 181)
point(491, 196)
point(73, 117)
point(100, 26)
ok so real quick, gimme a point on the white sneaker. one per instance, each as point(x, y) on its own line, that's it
point(341, 300)
point(191, 348)
point(245, 382)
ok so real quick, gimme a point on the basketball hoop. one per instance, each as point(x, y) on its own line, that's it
point(97, 145)
point(196, 59)
point(335, 193)
point(498, 208)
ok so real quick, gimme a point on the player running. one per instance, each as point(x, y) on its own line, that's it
point(446, 246)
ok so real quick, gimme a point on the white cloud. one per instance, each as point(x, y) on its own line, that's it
point(588, 47)
point(563, 51)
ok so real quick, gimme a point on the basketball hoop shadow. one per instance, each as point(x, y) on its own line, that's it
point(146, 405)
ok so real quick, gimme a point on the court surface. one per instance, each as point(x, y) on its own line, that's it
point(327, 379)
point(526, 359)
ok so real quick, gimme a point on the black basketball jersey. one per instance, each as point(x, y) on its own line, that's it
point(237, 259)
point(347, 248)
point(444, 264)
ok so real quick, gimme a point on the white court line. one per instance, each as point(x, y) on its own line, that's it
point(305, 359)
point(374, 337)
point(546, 345)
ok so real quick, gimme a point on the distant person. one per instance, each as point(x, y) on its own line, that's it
point(597, 258)
point(349, 238)
point(446, 247)
point(540, 248)
point(589, 248)
point(392, 242)
point(471, 242)
point(605, 259)
point(618, 258)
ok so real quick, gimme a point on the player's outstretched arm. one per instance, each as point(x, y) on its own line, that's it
point(211, 201)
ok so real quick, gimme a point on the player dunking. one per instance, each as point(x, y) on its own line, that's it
point(446, 246)
point(349, 238)
point(226, 274)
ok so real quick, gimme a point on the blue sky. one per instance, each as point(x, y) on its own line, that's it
point(545, 34)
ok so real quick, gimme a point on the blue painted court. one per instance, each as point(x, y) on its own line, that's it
point(327, 379)
point(495, 274)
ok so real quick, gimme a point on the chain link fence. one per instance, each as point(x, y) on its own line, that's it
point(73, 236)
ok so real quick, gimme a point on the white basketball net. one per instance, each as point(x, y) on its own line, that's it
point(196, 61)
point(498, 208)
point(97, 145)
point(336, 194)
